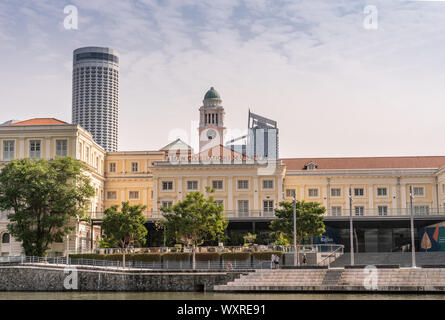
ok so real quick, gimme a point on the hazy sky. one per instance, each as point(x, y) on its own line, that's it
point(334, 87)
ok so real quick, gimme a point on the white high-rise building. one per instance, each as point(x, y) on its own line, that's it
point(96, 93)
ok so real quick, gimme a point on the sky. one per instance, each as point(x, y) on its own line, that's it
point(336, 86)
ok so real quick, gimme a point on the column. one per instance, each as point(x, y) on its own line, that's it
point(371, 201)
point(280, 188)
point(256, 194)
point(394, 199)
point(22, 148)
point(229, 194)
point(155, 194)
point(403, 199)
point(48, 148)
point(179, 188)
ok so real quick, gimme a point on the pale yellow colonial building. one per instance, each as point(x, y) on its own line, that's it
point(375, 191)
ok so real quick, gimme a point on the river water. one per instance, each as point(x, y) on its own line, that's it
point(210, 296)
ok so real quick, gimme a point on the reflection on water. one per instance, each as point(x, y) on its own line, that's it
point(209, 296)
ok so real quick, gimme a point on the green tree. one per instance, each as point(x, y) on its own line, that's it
point(194, 220)
point(249, 238)
point(43, 197)
point(124, 228)
point(309, 221)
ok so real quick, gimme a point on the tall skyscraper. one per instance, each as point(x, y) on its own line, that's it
point(96, 93)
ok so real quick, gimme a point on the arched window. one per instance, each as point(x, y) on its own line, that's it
point(5, 238)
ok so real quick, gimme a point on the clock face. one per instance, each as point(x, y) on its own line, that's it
point(211, 134)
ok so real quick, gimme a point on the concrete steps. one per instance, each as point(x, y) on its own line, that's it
point(395, 279)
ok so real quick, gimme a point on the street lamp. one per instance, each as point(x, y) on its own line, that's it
point(295, 231)
point(351, 227)
point(413, 249)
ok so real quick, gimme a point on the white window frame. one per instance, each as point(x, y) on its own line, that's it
point(290, 193)
point(360, 195)
point(238, 185)
point(359, 211)
point(61, 152)
point(334, 195)
point(418, 188)
point(133, 198)
point(134, 166)
point(34, 152)
point(336, 211)
point(243, 213)
point(111, 192)
point(218, 181)
point(167, 189)
point(382, 188)
point(192, 182)
point(382, 210)
point(9, 151)
point(263, 181)
point(313, 189)
point(110, 165)
point(268, 209)
point(421, 210)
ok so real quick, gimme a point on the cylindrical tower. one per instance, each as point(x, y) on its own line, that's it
point(96, 93)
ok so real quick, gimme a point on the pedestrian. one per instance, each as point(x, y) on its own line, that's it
point(277, 262)
point(272, 261)
point(304, 259)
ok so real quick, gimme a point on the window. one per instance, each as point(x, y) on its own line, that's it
point(87, 155)
point(167, 204)
point(192, 185)
point(443, 187)
point(6, 238)
point(336, 211)
point(167, 185)
point(268, 207)
point(243, 184)
point(217, 184)
point(359, 192)
point(421, 210)
point(418, 191)
point(61, 148)
point(382, 192)
point(383, 210)
point(268, 184)
point(8, 150)
point(359, 211)
point(243, 208)
point(112, 166)
point(290, 193)
point(133, 195)
point(111, 195)
point(34, 149)
point(134, 167)
point(335, 192)
point(313, 193)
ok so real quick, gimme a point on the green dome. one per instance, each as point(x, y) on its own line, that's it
point(212, 94)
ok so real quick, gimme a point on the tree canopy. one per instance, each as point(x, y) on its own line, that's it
point(125, 227)
point(309, 221)
point(194, 220)
point(43, 196)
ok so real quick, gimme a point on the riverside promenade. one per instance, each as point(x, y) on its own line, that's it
point(41, 277)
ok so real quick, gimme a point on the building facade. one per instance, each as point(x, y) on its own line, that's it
point(96, 93)
point(376, 191)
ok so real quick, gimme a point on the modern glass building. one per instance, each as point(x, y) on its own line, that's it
point(96, 93)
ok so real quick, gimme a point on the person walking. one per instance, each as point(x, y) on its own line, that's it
point(304, 260)
point(277, 262)
point(272, 261)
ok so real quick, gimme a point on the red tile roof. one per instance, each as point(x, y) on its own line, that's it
point(367, 162)
point(38, 121)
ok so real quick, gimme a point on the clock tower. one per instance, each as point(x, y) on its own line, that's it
point(211, 121)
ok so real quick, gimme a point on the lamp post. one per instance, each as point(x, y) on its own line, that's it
point(413, 249)
point(351, 236)
point(295, 232)
point(67, 249)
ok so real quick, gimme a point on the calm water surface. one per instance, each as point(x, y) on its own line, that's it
point(209, 296)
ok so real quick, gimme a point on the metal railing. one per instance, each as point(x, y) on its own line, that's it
point(331, 257)
point(384, 211)
point(229, 214)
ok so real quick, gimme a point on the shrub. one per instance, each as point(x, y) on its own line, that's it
point(176, 256)
point(238, 256)
point(206, 256)
point(145, 257)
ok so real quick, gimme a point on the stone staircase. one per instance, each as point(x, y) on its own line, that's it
point(348, 279)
